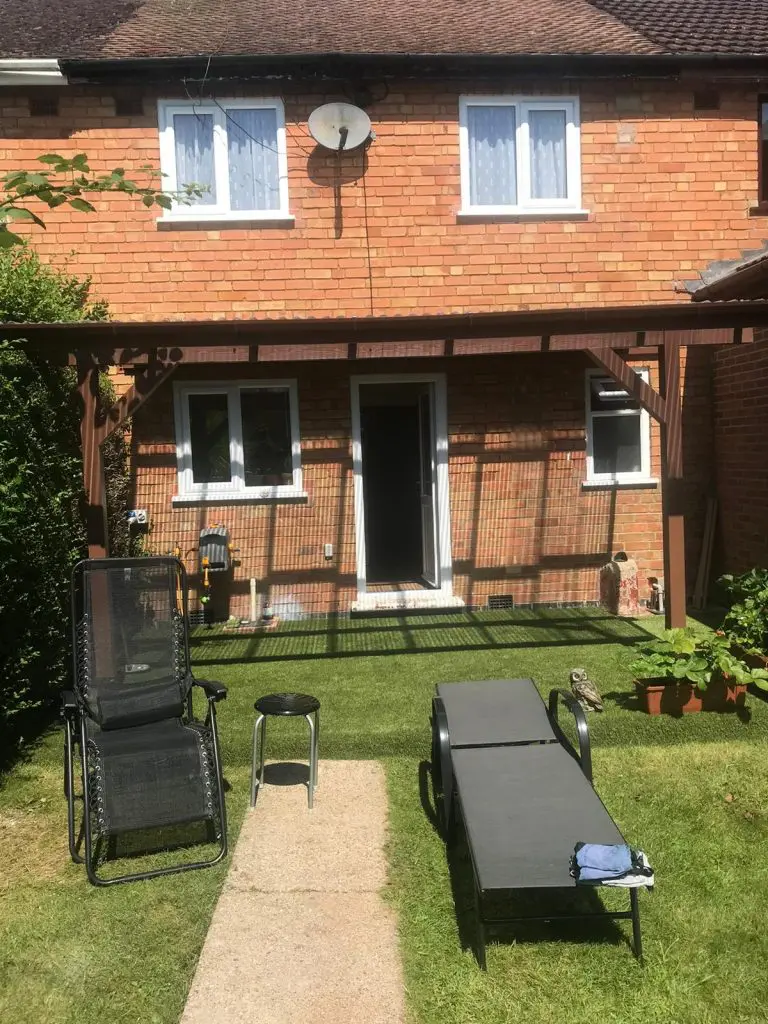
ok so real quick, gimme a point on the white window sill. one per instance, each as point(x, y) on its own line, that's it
point(269, 218)
point(606, 485)
point(492, 213)
point(249, 497)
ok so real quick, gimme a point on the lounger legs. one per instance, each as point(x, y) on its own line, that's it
point(637, 939)
point(69, 792)
point(481, 961)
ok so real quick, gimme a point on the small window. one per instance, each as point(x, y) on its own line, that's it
point(519, 155)
point(763, 152)
point(233, 149)
point(238, 440)
point(618, 432)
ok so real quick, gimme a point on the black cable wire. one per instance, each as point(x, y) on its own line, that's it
point(367, 233)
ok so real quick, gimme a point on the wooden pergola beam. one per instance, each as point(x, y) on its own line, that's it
point(622, 373)
point(146, 382)
point(697, 323)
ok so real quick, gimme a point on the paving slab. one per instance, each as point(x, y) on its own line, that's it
point(301, 934)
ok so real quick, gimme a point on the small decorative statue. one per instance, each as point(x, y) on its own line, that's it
point(585, 691)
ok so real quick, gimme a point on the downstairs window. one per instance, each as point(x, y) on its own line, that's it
point(238, 440)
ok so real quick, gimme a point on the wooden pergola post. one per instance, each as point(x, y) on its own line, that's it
point(666, 409)
point(95, 428)
point(673, 517)
point(93, 466)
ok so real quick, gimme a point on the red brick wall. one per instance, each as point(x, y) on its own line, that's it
point(667, 190)
point(521, 523)
point(741, 428)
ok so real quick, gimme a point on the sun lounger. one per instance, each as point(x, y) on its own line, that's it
point(525, 795)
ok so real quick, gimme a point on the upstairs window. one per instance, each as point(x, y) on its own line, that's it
point(238, 440)
point(235, 149)
point(519, 155)
point(618, 432)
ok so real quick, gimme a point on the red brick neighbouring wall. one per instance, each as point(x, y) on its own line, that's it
point(521, 522)
point(741, 426)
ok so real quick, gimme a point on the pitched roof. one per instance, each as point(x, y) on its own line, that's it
point(114, 29)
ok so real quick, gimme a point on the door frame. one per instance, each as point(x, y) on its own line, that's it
point(442, 487)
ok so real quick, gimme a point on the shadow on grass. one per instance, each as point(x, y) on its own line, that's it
point(22, 735)
point(631, 701)
point(338, 637)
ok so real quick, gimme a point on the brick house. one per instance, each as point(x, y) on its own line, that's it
point(398, 373)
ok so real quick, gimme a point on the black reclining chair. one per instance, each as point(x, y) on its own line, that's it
point(525, 795)
point(146, 762)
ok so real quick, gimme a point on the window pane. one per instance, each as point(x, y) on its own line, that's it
point(548, 174)
point(266, 437)
point(608, 396)
point(209, 434)
point(616, 444)
point(764, 122)
point(492, 170)
point(193, 138)
point(254, 182)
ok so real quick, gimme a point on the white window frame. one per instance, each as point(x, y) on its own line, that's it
point(644, 475)
point(166, 109)
point(525, 203)
point(234, 489)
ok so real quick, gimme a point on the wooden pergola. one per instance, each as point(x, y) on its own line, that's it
point(608, 336)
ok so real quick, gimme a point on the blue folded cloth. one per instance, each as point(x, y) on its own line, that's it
point(595, 862)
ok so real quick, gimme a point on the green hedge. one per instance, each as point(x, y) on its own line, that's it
point(41, 499)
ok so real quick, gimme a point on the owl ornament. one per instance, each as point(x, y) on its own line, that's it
point(585, 691)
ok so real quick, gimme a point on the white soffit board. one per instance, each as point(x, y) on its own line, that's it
point(31, 71)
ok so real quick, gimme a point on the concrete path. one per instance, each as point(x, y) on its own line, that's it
point(300, 934)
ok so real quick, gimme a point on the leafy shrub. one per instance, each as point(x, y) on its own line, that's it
point(697, 657)
point(746, 624)
point(41, 510)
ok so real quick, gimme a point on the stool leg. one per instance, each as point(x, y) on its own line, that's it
point(317, 745)
point(254, 761)
point(312, 756)
point(263, 749)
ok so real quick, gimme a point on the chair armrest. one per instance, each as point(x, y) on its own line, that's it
point(68, 703)
point(582, 729)
point(213, 691)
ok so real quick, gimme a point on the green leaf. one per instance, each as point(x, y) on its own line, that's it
point(20, 213)
point(51, 158)
point(164, 201)
point(80, 163)
point(147, 200)
point(82, 204)
point(8, 239)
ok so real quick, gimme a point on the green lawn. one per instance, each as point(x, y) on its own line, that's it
point(69, 952)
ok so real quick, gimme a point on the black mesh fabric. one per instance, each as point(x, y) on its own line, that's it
point(157, 774)
point(132, 663)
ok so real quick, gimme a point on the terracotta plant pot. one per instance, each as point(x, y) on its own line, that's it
point(679, 697)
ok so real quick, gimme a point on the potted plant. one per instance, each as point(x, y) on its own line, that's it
point(685, 671)
point(746, 624)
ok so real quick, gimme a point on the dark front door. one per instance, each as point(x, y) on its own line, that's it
point(392, 475)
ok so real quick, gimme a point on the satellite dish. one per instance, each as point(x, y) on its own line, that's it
point(339, 126)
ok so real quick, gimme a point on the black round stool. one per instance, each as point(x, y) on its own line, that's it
point(284, 705)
